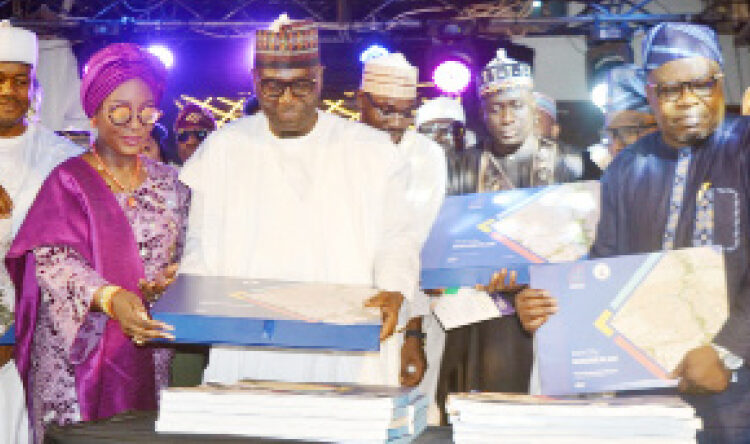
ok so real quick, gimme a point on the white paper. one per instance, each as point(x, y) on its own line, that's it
point(465, 307)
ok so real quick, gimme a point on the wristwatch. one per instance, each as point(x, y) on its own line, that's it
point(730, 360)
point(416, 334)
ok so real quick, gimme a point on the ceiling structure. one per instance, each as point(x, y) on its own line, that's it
point(342, 19)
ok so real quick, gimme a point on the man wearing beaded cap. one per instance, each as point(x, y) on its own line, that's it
point(28, 152)
point(321, 199)
point(508, 108)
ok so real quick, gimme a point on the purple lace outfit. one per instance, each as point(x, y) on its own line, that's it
point(67, 335)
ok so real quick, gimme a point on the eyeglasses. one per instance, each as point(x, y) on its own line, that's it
point(122, 114)
point(625, 133)
point(672, 91)
point(275, 88)
point(440, 128)
point(184, 135)
point(390, 111)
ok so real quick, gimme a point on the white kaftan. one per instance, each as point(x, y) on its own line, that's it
point(329, 206)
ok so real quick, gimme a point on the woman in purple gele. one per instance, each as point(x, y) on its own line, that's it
point(99, 242)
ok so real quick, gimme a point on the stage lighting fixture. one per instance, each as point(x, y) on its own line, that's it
point(373, 52)
point(452, 77)
point(162, 53)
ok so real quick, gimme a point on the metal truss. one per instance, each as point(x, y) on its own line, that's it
point(341, 19)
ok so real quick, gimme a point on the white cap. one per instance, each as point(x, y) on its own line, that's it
point(17, 44)
point(440, 108)
point(390, 76)
point(282, 20)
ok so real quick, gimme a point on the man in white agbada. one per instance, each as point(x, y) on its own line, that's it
point(296, 194)
point(28, 152)
point(387, 100)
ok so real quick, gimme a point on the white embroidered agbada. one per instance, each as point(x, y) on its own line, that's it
point(25, 161)
point(328, 207)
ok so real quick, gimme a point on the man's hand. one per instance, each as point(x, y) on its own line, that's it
point(503, 282)
point(534, 307)
point(152, 290)
point(128, 310)
point(702, 372)
point(413, 361)
point(6, 204)
point(389, 303)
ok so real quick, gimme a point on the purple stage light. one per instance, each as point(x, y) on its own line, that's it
point(452, 77)
point(162, 53)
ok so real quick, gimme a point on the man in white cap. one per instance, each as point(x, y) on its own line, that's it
point(293, 193)
point(443, 120)
point(28, 152)
point(469, 169)
point(387, 99)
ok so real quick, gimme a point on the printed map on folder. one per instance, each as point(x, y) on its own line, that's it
point(477, 234)
point(626, 322)
point(256, 312)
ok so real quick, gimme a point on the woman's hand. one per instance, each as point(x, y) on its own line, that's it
point(534, 307)
point(152, 290)
point(128, 310)
point(6, 204)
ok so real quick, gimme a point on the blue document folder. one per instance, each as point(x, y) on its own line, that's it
point(476, 235)
point(222, 310)
point(9, 337)
point(626, 322)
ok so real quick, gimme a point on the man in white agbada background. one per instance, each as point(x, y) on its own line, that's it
point(296, 194)
point(28, 152)
point(387, 100)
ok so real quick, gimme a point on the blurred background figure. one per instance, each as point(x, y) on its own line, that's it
point(443, 120)
point(193, 124)
point(156, 145)
point(57, 72)
point(252, 106)
point(546, 117)
point(628, 116)
point(746, 103)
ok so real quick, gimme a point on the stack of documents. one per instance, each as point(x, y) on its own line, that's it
point(283, 410)
point(510, 418)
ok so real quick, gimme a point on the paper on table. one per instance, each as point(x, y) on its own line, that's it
point(467, 306)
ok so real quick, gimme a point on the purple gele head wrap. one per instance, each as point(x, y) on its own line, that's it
point(114, 65)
